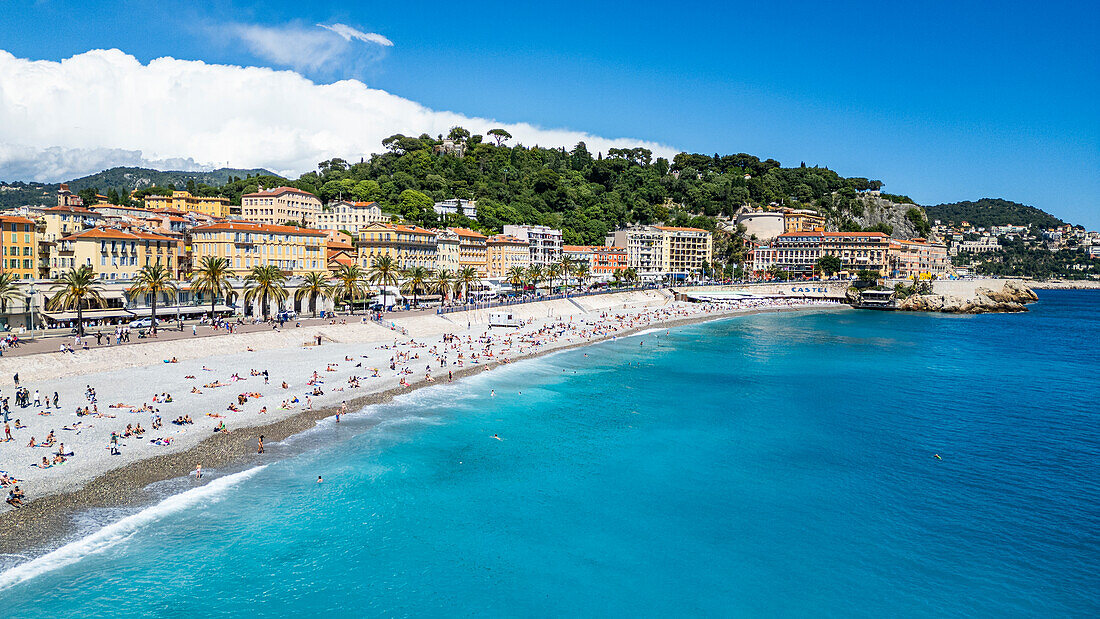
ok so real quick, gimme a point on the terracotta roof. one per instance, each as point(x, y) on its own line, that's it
point(507, 239)
point(250, 226)
point(15, 219)
point(278, 191)
point(341, 259)
point(72, 209)
point(467, 233)
point(111, 233)
point(339, 245)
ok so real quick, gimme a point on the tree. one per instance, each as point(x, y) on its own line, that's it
point(458, 134)
point(535, 273)
point(349, 284)
point(265, 283)
point(383, 272)
point(581, 272)
point(443, 282)
point(314, 286)
point(500, 135)
point(416, 278)
point(630, 275)
point(467, 276)
point(517, 276)
point(829, 265)
point(414, 205)
point(552, 270)
point(565, 269)
point(154, 279)
point(212, 277)
point(9, 293)
point(74, 289)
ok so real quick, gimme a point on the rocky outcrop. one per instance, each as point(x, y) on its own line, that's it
point(1012, 297)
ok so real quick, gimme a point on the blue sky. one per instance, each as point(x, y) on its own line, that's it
point(943, 101)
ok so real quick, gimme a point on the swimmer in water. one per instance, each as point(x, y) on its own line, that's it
point(937, 456)
point(318, 479)
point(492, 393)
point(497, 437)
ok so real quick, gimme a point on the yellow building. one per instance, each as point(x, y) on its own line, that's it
point(802, 221)
point(184, 201)
point(409, 246)
point(917, 259)
point(280, 205)
point(20, 245)
point(505, 252)
point(62, 221)
point(114, 254)
point(448, 251)
point(296, 251)
point(473, 250)
point(684, 251)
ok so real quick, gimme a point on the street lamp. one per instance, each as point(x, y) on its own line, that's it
point(30, 304)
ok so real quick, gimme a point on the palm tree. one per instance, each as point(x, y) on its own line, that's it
point(565, 269)
point(383, 271)
point(8, 292)
point(630, 275)
point(617, 279)
point(517, 276)
point(212, 277)
point(416, 278)
point(314, 286)
point(349, 284)
point(73, 290)
point(581, 272)
point(443, 282)
point(552, 270)
point(265, 282)
point(468, 277)
point(153, 279)
point(535, 275)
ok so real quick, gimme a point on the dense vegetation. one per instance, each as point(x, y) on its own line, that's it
point(993, 212)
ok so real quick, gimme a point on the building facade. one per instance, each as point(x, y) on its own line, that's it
point(603, 261)
point(183, 201)
point(685, 251)
point(473, 250)
point(544, 243)
point(296, 251)
point(506, 252)
point(114, 254)
point(456, 206)
point(802, 221)
point(408, 246)
point(350, 216)
point(918, 259)
point(280, 205)
point(19, 237)
point(798, 252)
point(448, 251)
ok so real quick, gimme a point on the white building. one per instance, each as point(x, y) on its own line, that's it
point(350, 216)
point(457, 206)
point(544, 242)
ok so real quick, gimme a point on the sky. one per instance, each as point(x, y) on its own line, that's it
point(942, 101)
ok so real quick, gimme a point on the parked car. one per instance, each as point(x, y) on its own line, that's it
point(286, 316)
point(142, 323)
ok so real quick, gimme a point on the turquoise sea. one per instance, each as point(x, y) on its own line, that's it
point(770, 465)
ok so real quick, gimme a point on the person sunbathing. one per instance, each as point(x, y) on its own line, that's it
point(32, 443)
point(189, 376)
point(195, 390)
point(45, 464)
point(284, 385)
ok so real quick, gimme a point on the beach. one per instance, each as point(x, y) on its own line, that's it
point(357, 364)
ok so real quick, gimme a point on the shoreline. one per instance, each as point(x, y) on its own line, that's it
point(47, 521)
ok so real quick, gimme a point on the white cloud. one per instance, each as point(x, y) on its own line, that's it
point(350, 33)
point(104, 107)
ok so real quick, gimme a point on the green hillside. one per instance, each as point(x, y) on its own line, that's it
point(129, 179)
point(993, 212)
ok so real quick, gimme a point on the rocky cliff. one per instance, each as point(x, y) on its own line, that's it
point(1012, 297)
point(870, 211)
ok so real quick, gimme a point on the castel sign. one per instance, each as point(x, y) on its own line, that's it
point(809, 289)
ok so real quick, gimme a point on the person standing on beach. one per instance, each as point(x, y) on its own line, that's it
point(260, 450)
point(198, 471)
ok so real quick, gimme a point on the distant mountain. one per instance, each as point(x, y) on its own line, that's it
point(992, 212)
point(20, 193)
point(129, 179)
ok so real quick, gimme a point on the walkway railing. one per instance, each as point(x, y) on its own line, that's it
point(511, 301)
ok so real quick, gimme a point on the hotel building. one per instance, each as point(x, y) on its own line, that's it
point(19, 237)
point(409, 246)
point(296, 251)
point(183, 201)
point(602, 260)
point(280, 205)
point(472, 250)
point(545, 243)
point(505, 252)
point(350, 216)
point(918, 259)
point(114, 254)
point(656, 252)
point(798, 252)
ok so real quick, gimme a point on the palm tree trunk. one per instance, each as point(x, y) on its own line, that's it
point(213, 300)
point(153, 313)
point(314, 303)
point(79, 318)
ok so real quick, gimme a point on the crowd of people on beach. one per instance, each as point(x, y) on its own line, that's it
point(410, 360)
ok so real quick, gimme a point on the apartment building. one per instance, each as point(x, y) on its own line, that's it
point(350, 216)
point(19, 238)
point(448, 251)
point(408, 246)
point(657, 252)
point(296, 251)
point(506, 252)
point(802, 221)
point(918, 259)
point(114, 254)
point(798, 252)
point(603, 261)
point(473, 251)
point(280, 205)
point(644, 250)
point(183, 201)
point(456, 206)
point(544, 242)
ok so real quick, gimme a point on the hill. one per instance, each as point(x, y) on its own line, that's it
point(993, 212)
point(129, 179)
